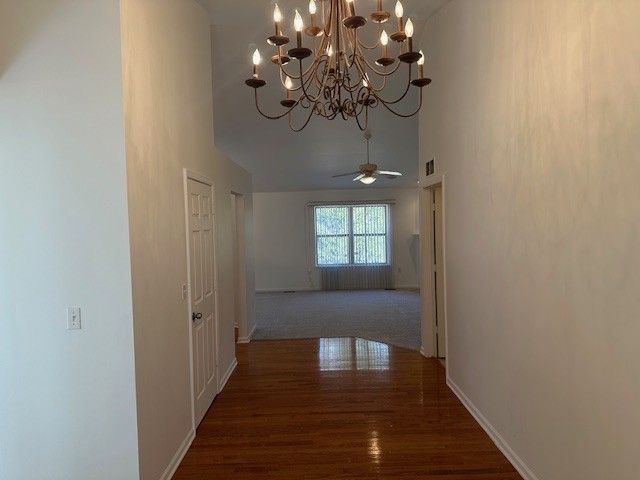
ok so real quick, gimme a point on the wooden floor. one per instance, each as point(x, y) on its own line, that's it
point(339, 408)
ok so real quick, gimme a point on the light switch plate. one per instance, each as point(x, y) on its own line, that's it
point(74, 321)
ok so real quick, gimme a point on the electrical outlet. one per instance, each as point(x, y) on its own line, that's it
point(74, 321)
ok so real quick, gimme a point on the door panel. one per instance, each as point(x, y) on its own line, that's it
point(203, 295)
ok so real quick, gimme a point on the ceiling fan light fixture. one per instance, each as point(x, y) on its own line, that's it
point(368, 180)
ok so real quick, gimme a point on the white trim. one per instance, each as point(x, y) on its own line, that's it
point(179, 455)
point(495, 436)
point(424, 353)
point(311, 289)
point(432, 180)
point(240, 260)
point(282, 290)
point(247, 339)
point(342, 203)
point(227, 375)
point(426, 263)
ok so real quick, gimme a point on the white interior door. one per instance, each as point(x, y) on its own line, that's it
point(203, 295)
point(441, 349)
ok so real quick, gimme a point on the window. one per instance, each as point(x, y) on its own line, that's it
point(352, 235)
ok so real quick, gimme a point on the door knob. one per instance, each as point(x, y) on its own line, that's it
point(196, 316)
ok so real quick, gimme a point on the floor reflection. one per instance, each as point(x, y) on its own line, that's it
point(352, 354)
point(374, 447)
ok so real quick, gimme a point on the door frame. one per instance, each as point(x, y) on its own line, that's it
point(186, 176)
point(240, 283)
point(427, 260)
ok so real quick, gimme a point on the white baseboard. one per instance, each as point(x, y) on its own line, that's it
point(280, 290)
point(423, 353)
point(177, 458)
point(407, 287)
point(227, 375)
point(495, 436)
point(247, 339)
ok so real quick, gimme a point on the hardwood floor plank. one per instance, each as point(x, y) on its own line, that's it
point(342, 408)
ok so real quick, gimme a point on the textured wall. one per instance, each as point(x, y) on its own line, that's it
point(534, 118)
point(67, 398)
point(282, 261)
point(169, 126)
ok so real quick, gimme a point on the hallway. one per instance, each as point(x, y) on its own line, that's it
point(339, 408)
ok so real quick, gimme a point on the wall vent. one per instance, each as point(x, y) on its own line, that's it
point(430, 167)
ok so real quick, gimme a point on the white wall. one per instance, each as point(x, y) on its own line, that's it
point(169, 126)
point(282, 238)
point(534, 118)
point(67, 398)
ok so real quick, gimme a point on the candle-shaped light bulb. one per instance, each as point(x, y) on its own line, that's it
point(399, 14)
point(384, 38)
point(421, 65)
point(313, 8)
point(256, 57)
point(277, 18)
point(330, 50)
point(256, 61)
point(277, 14)
point(408, 30)
point(421, 61)
point(399, 9)
point(298, 24)
point(288, 84)
point(384, 41)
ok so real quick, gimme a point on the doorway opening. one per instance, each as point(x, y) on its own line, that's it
point(433, 291)
point(330, 267)
point(239, 260)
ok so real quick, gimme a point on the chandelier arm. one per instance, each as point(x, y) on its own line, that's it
point(366, 123)
point(304, 90)
point(303, 125)
point(313, 66)
point(363, 74)
point(368, 47)
point(398, 100)
point(401, 114)
point(381, 73)
point(295, 77)
point(272, 117)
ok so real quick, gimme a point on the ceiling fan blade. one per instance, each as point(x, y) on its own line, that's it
point(389, 174)
point(362, 175)
point(346, 174)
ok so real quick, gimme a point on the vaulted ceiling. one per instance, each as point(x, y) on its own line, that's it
point(279, 159)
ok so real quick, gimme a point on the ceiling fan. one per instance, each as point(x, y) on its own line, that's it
point(368, 172)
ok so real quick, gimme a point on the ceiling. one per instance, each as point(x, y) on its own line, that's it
point(281, 160)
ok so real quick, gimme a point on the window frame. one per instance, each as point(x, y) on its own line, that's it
point(351, 235)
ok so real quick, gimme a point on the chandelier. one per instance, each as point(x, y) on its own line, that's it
point(345, 76)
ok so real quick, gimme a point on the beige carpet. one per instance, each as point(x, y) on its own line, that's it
point(384, 315)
